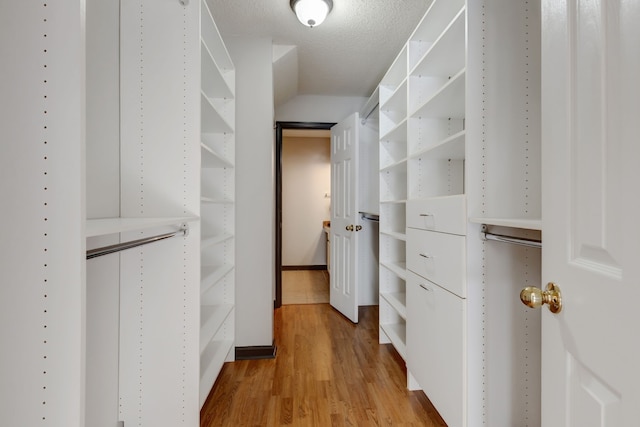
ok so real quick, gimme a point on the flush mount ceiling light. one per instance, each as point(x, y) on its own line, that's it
point(311, 12)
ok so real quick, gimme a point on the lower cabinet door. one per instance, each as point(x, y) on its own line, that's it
point(436, 346)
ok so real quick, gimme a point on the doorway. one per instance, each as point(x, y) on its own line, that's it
point(280, 127)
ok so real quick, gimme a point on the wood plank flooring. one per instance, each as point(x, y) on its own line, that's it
point(327, 372)
point(305, 287)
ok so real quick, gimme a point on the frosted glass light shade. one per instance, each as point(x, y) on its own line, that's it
point(311, 12)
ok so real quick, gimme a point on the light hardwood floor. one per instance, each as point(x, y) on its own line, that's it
point(327, 372)
point(305, 287)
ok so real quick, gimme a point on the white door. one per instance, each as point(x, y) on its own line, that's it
point(591, 202)
point(343, 293)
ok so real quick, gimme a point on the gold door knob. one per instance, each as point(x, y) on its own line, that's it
point(358, 227)
point(349, 227)
point(535, 298)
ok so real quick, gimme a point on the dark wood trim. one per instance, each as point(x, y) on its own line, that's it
point(256, 352)
point(277, 302)
point(303, 267)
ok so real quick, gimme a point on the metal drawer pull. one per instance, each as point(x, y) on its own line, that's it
point(426, 256)
point(425, 288)
point(426, 214)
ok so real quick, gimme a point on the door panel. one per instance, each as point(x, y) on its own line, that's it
point(343, 293)
point(590, 111)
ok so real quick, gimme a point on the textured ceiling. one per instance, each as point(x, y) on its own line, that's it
point(347, 55)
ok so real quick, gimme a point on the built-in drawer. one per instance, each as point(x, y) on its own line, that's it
point(439, 257)
point(446, 214)
point(435, 337)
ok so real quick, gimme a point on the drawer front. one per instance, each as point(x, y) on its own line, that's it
point(438, 257)
point(436, 346)
point(445, 214)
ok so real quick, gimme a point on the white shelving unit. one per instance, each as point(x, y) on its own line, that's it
point(217, 288)
point(393, 195)
point(460, 148)
point(111, 122)
point(436, 214)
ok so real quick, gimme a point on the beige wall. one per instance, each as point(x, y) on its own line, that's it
point(306, 180)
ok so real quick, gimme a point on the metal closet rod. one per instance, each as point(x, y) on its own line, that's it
point(106, 250)
point(532, 243)
point(364, 119)
point(370, 216)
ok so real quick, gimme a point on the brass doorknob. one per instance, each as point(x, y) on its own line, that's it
point(349, 227)
point(535, 298)
point(358, 227)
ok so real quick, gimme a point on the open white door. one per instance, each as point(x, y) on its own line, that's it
point(343, 294)
point(591, 229)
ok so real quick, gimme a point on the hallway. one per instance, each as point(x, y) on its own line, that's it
point(328, 372)
point(305, 287)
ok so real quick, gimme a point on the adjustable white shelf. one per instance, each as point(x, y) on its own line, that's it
point(211, 319)
point(214, 240)
point(395, 108)
point(398, 301)
point(211, 159)
point(220, 81)
point(210, 275)
point(393, 145)
point(431, 28)
point(396, 332)
point(400, 166)
point(448, 102)
point(446, 56)
point(398, 268)
point(212, 201)
point(211, 361)
point(393, 183)
point(395, 235)
point(212, 115)
point(451, 148)
point(394, 78)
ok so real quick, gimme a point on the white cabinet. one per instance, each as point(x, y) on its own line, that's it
point(460, 147)
point(217, 184)
point(436, 335)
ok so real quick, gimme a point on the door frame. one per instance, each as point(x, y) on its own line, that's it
point(280, 126)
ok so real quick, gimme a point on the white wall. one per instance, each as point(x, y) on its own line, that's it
point(255, 190)
point(306, 179)
point(315, 108)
